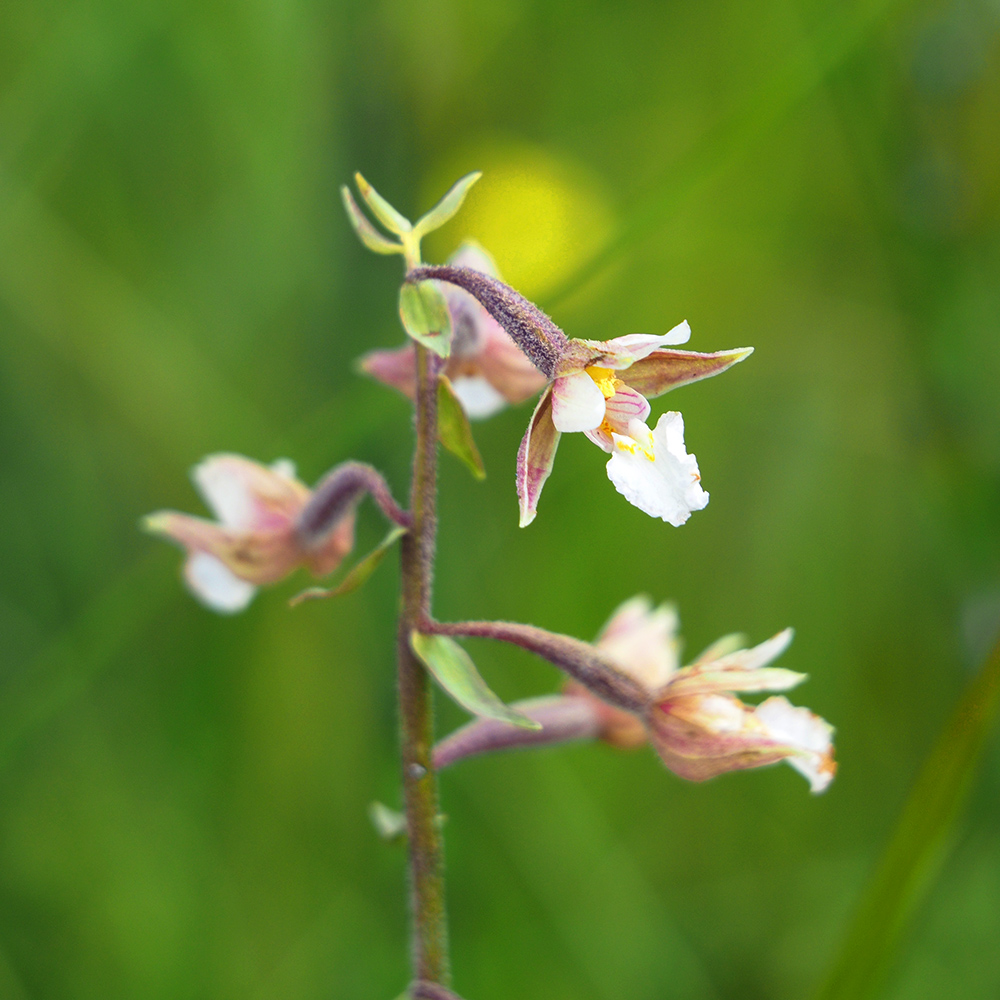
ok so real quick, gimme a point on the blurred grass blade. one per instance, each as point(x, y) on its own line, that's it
point(447, 206)
point(746, 127)
point(454, 430)
point(919, 843)
point(358, 575)
point(454, 670)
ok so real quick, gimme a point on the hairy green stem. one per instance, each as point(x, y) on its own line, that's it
point(426, 855)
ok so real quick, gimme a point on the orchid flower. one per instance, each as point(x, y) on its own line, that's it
point(691, 715)
point(486, 368)
point(257, 540)
point(602, 388)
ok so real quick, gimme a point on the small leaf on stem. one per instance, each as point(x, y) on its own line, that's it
point(447, 206)
point(452, 667)
point(359, 572)
point(425, 316)
point(381, 209)
point(367, 233)
point(454, 430)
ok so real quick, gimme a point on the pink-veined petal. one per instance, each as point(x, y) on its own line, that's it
point(535, 457)
point(620, 410)
point(577, 403)
point(662, 371)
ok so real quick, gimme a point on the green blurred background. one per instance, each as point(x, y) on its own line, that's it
point(183, 796)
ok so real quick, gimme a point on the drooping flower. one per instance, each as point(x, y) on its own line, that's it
point(256, 540)
point(691, 715)
point(486, 368)
point(602, 388)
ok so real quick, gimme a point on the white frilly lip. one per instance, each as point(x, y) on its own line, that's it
point(654, 472)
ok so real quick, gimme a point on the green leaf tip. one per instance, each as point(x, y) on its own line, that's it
point(454, 430)
point(425, 316)
point(452, 667)
point(367, 233)
point(381, 209)
point(446, 208)
point(358, 574)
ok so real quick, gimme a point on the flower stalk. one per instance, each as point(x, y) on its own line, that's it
point(426, 854)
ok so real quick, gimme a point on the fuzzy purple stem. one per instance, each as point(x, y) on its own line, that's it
point(537, 336)
point(337, 494)
point(426, 852)
point(564, 718)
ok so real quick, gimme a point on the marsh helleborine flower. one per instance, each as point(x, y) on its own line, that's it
point(602, 388)
point(259, 536)
point(486, 368)
point(691, 714)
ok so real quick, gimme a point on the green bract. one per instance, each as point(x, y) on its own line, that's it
point(425, 316)
point(454, 670)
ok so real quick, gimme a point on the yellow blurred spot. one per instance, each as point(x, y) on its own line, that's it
point(540, 214)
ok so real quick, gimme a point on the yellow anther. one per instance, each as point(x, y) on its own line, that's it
point(605, 379)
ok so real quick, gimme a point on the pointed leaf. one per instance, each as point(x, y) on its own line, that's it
point(381, 209)
point(454, 430)
point(425, 316)
point(359, 573)
point(368, 234)
point(919, 844)
point(453, 669)
point(447, 206)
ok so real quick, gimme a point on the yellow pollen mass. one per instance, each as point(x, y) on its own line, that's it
point(605, 379)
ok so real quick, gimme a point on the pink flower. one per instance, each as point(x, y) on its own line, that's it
point(695, 721)
point(486, 368)
point(630, 688)
point(255, 541)
point(602, 389)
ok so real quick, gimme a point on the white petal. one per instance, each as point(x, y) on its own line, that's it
point(643, 641)
point(652, 470)
point(759, 656)
point(636, 346)
point(215, 585)
point(225, 483)
point(478, 398)
point(800, 728)
point(577, 403)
